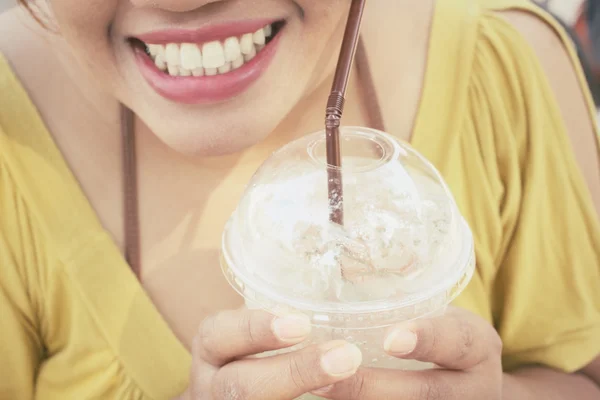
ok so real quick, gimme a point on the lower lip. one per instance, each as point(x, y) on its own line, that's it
point(206, 89)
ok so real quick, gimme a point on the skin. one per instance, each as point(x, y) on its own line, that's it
point(90, 43)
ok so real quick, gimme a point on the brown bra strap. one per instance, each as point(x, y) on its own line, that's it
point(130, 186)
point(130, 192)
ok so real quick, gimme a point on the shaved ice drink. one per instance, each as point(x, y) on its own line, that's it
point(404, 251)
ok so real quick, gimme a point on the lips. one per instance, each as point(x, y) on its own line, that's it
point(208, 65)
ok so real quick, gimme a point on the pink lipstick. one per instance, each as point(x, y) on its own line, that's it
point(208, 65)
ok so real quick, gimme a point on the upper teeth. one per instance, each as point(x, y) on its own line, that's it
point(186, 59)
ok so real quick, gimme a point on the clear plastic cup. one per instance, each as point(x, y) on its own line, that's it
point(404, 252)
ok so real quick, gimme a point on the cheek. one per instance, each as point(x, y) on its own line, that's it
point(324, 23)
point(86, 25)
point(326, 13)
point(323, 29)
point(83, 17)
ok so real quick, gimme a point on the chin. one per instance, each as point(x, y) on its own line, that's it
point(198, 143)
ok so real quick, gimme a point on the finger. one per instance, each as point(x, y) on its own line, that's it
point(201, 375)
point(388, 384)
point(287, 376)
point(233, 334)
point(458, 340)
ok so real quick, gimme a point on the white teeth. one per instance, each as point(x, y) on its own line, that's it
point(259, 37)
point(191, 57)
point(238, 62)
point(172, 54)
point(213, 55)
point(251, 55)
point(225, 68)
point(232, 49)
point(156, 49)
point(160, 62)
point(247, 44)
point(173, 70)
point(268, 30)
point(217, 57)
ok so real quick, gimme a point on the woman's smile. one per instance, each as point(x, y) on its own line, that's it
point(207, 65)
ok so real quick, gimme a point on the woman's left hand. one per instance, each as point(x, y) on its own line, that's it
point(466, 348)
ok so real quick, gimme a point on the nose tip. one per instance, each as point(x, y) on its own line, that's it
point(173, 5)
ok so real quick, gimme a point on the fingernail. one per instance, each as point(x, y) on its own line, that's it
point(291, 327)
point(342, 360)
point(401, 342)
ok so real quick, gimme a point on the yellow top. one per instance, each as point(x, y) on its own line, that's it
point(75, 323)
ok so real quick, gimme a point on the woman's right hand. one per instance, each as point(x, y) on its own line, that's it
point(222, 368)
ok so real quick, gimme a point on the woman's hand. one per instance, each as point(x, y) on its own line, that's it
point(222, 370)
point(466, 347)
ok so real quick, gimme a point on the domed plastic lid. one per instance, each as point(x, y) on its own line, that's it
point(403, 246)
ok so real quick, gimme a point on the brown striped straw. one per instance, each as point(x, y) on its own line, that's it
point(335, 108)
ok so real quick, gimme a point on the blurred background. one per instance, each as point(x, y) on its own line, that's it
point(5, 4)
point(567, 10)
